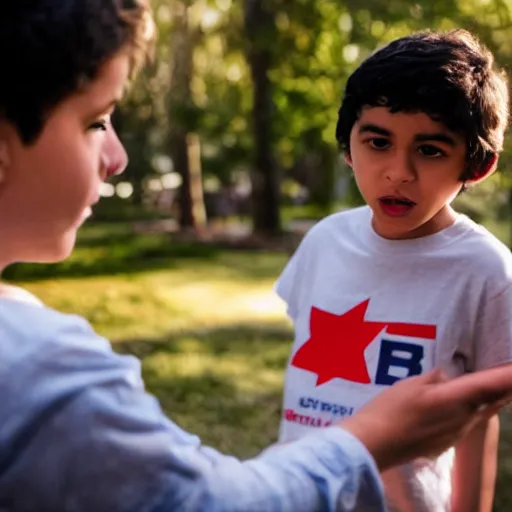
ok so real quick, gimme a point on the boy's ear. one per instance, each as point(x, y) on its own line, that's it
point(485, 171)
point(348, 159)
point(5, 159)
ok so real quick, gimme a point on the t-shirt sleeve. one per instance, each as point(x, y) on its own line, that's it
point(292, 281)
point(493, 330)
point(288, 284)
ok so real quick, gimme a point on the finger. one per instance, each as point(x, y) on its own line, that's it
point(487, 386)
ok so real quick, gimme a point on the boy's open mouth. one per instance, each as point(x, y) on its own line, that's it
point(396, 206)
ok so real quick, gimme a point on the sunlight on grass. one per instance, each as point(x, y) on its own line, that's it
point(154, 303)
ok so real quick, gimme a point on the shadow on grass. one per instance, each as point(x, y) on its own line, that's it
point(235, 423)
point(114, 250)
point(239, 339)
point(224, 385)
point(124, 254)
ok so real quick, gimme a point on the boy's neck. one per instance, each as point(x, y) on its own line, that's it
point(443, 219)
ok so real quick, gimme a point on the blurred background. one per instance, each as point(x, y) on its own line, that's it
point(230, 133)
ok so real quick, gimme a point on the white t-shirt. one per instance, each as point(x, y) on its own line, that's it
point(368, 311)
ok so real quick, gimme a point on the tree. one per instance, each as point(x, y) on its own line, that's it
point(261, 34)
point(260, 82)
point(184, 147)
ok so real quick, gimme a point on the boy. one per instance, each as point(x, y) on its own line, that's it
point(392, 289)
point(77, 430)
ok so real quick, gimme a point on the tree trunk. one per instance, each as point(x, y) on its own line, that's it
point(185, 159)
point(179, 155)
point(260, 29)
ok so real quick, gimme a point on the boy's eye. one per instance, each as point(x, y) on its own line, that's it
point(99, 125)
point(431, 151)
point(379, 143)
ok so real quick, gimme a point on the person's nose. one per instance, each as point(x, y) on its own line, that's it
point(114, 156)
point(400, 169)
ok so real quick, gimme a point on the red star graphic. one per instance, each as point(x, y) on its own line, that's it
point(337, 344)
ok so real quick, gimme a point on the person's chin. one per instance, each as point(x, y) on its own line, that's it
point(56, 251)
point(66, 246)
point(398, 228)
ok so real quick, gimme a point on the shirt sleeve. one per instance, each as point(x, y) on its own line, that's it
point(287, 287)
point(493, 330)
point(292, 281)
point(93, 439)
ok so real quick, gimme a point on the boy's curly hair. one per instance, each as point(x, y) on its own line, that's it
point(50, 49)
point(449, 76)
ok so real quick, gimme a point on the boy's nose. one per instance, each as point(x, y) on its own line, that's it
point(114, 158)
point(400, 170)
point(116, 167)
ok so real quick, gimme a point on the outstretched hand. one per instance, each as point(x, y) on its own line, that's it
point(425, 415)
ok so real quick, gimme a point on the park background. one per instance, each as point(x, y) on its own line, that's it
point(230, 133)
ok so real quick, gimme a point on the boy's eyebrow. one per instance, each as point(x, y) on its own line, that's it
point(373, 128)
point(421, 137)
point(436, 137)
point(110, 105)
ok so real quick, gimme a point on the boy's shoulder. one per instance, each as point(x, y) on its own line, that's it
point(49, 354)
point(484, 252)
point(346, 217)
point(24, 315)
point(29, 329)
point(474, 247)
point(346, 221)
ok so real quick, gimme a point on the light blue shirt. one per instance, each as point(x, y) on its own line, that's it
point(79, 433)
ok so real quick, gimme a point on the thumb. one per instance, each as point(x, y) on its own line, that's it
point(486, 386)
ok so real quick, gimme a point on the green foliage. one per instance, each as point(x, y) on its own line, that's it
point(314, 46)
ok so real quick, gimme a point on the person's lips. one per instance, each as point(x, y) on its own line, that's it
point(87, 212)
point(396, 206)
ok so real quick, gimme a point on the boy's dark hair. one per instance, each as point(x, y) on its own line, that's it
point(50, 49)
point(448, 76)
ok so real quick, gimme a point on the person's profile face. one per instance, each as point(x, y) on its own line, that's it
point(50, 185)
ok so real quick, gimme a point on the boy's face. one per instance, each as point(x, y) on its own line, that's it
point(408, 169)
point(47, 188)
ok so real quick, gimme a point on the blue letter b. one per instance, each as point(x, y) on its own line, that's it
point(388, 359)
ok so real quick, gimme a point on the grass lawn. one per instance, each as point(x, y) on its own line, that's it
point(212, 336)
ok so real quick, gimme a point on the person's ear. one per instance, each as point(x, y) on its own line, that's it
point(487, 168)
point(348, 159)
point(5, 160)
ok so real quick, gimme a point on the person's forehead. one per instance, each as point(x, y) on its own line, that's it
point(409, 123)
